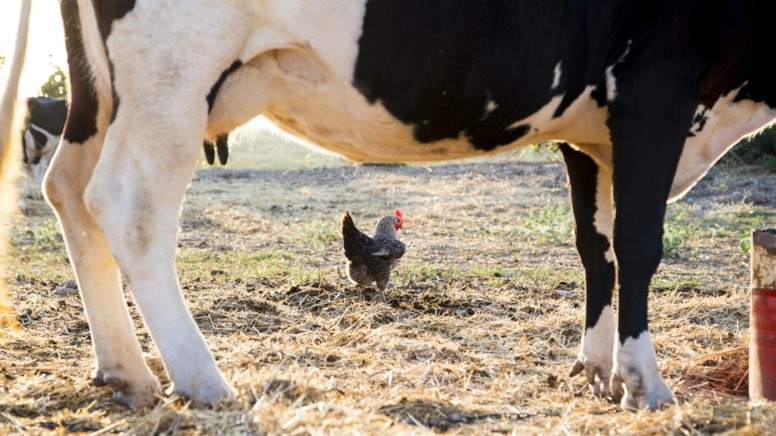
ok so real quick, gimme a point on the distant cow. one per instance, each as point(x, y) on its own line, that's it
point(646, 94)
point(43, 129)
point(42, 132)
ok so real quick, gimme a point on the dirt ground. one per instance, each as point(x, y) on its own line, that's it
point(481, 327)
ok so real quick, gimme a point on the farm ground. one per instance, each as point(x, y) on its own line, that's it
point(480, 330)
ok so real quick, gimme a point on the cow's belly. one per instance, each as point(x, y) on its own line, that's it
point(338, 118)
point(715, 130)
point(304, 83)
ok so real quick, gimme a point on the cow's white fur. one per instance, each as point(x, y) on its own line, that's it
point(635, 371)
point(728, 121)
point(490, 106)
point(597, 351)
point(556, 76)
point(603, 219)
point(297, 72)
point(598, 342)
point(581, 123)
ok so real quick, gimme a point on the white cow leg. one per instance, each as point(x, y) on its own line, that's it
point(136, 194)
point(120, 363)
point(595, 356)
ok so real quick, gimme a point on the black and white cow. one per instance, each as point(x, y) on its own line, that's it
point(42, 132)
point(646, 94)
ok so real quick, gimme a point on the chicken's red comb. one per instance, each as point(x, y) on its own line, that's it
point(398, 214)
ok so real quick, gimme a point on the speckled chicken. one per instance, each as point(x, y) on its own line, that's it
point(371, 259)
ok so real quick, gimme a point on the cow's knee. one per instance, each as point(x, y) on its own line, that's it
point(122, 211)
point(52, 193)
point(68, 172)
point(55, 185)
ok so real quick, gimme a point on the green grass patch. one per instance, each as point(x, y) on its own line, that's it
point(319, 233)
point(207, 265)
point(45, 237)
point(676, 231)
point(551, 276)
point(549, 224)
point(666, 282)
point(541, 277)
point(683, 224)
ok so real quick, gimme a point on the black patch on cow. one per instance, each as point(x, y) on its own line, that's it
point(39, 137)
point(108, 11)
point(437, 66)
point(592, 246)
point(211, 96)
point(82, 118)
point(115, 96)
point(47, 113)
point(489, 141)
point(700, 120)
point(733, 38)
point(599, 94)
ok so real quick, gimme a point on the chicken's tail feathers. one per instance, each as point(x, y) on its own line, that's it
point(347, 225)
point(352, 237)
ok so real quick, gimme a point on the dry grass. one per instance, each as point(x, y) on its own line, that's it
point(480, 331)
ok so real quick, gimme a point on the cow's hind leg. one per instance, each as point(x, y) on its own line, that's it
point(650, 118)
point(591, 198)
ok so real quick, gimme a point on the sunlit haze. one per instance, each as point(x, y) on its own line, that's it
point(46, 47)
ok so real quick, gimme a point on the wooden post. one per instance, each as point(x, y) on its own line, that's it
point(762, 321)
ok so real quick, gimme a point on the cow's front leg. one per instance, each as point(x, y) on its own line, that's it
point(591, 199)
point(135, 195)
point(120, 363)
point(651, 112)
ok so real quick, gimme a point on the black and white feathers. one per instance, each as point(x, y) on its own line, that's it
point(370, 259)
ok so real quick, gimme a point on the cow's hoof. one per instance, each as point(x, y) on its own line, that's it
point(206, 392)
point(597, 376)
point(638, 393)
point(132, 395)
point(637, 377)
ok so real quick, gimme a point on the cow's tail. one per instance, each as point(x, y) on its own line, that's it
point(9, 155)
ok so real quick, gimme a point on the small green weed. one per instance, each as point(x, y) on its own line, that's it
point(550, 224)
point(43, 238)
point(319, 233)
